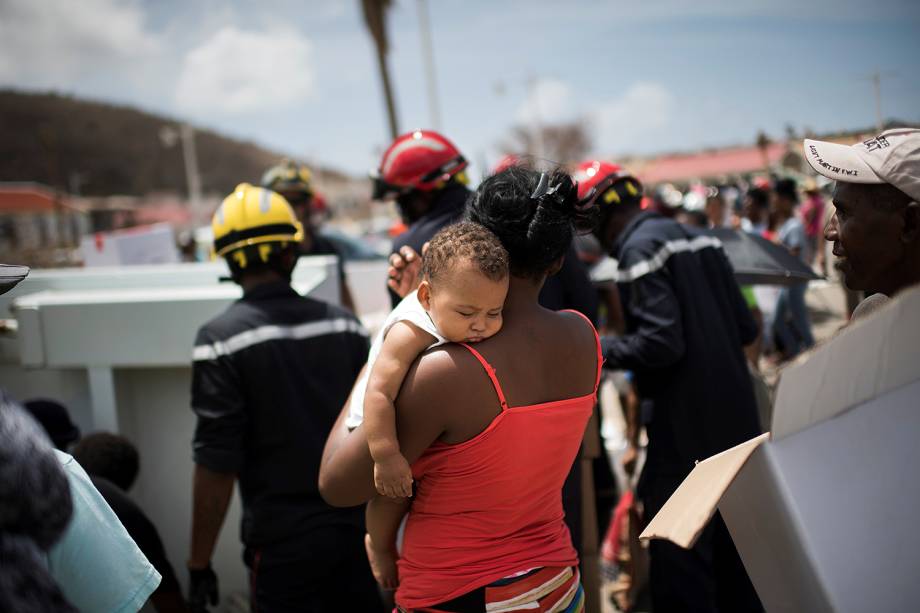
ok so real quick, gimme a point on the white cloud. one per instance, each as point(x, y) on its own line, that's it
point(626, 123)
point(630, 122)
point(237, 72)
point(548, 101)
point(51, 43)
point(633, 11)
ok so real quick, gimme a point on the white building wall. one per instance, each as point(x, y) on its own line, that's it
point(135, 329)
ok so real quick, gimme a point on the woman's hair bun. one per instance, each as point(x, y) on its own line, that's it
point(534, 214)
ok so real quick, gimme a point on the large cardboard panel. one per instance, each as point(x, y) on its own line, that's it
point(869, 358)
point(760, 513)
point(852, 495)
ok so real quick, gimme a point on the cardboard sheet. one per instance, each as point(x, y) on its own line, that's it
point(684, 515)
point(760, 511)
point(868, 359)
point(851, 489)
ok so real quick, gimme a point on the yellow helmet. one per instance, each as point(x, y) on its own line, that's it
point(253, 217)
point(289, 177)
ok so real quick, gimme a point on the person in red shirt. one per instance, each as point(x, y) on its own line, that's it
point(812, 213)
point(491, 432)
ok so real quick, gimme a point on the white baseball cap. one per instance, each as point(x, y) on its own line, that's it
point(891, 157)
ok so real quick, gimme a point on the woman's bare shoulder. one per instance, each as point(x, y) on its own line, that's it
point(578, 327)
point(575, 348)
point(444, 393)
point(437, 373)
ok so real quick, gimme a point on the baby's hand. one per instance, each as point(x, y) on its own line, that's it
point(393, 477)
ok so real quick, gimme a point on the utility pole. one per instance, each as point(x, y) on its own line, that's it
point(428, 55)
point(876, 79)
point(169, 136)
point(190, 157)
point(375, 18)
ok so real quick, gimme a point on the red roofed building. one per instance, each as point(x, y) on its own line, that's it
point(734, 161)
point(38, 226)
point(729, 162)
point(19, 198)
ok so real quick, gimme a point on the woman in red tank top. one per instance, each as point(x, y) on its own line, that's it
point(492, 430)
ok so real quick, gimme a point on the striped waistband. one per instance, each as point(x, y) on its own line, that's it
point(541, 590)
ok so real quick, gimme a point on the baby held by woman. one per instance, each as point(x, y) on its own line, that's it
point(460, 299)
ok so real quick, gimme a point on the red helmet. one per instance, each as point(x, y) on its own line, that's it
point(506, 162)
point(595, 177)
point(421, 160)
point(318, 203)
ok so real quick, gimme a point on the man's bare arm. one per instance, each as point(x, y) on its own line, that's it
point(631, 416)
point(211, 492)
point(346, 476)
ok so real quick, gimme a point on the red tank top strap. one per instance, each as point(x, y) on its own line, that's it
point(597, 339)
point(491, 372)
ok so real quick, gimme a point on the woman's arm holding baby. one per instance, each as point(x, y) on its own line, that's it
point(423, 412)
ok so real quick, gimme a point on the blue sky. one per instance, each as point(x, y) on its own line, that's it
point(647, 76)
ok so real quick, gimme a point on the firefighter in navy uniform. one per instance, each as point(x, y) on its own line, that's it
point(686, 326)
point(425, 174)
point(295, 183)
point(270, 375)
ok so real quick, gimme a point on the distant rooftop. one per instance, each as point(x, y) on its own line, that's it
point(26, 197)
point(708, 164)
point(735, 160)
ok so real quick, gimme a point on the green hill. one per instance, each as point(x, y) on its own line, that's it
point(100, 149)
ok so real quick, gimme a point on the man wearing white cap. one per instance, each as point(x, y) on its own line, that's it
point(876, 228)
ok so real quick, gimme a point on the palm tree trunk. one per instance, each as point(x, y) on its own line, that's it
point(375, 18)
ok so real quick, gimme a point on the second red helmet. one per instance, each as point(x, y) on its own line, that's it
point(422, 160)
point(592, 174)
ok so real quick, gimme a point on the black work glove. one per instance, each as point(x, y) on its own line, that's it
point(202, 588)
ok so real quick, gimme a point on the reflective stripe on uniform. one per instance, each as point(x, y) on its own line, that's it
point(657, 261)
point(262, 334)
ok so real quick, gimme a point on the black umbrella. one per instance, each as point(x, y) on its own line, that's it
point(11, 275)
point(758, 261)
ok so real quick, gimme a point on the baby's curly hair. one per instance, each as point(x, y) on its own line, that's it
point(465, 241)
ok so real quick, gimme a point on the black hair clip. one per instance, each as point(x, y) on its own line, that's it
point(544, 190)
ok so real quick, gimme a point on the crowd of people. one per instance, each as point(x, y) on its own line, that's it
point(782, 210)
point(444, 467)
